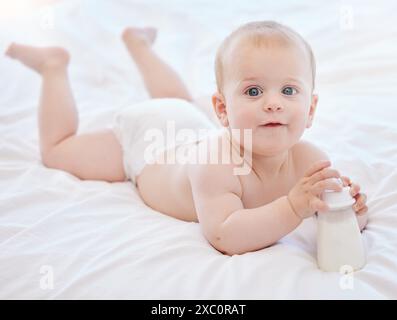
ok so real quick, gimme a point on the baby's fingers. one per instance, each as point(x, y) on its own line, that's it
point(326, 173)
point(346, 181)
point(362, 211)
point(319, 165)
point(361, 199)
point(318, 205)
point(354, 190)
point(327, 184)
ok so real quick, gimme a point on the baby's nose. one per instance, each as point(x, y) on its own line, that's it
point(273, 107)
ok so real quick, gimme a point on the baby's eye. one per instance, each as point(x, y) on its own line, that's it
point(289, 91)
point(253, 92)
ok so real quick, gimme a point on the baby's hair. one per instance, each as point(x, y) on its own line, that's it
point(259, 33)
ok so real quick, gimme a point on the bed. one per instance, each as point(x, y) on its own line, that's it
point(63, 238)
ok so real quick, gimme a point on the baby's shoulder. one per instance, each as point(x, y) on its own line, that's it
point(213, 170)
point(305, 154)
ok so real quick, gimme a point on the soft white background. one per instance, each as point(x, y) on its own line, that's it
point(101, 241)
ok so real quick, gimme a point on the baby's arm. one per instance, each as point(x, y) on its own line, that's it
point(229, 227)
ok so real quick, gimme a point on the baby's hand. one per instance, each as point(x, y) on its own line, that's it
point(305, 196)
point(360, 206)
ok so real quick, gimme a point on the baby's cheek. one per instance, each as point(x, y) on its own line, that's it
point(296, 126)
point(244, 118)
point(300, 118)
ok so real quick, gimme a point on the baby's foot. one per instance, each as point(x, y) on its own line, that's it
point(133, 37)
point(39, 58)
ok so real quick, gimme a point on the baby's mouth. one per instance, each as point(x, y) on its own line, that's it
point(272, 125)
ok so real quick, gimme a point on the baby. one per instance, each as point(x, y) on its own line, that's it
point(265, 75)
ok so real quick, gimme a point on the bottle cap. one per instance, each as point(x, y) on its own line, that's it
point(338, 199)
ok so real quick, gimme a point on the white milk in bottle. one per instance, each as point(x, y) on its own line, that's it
point(339, 241)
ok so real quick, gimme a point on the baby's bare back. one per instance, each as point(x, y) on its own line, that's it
point(167, 187)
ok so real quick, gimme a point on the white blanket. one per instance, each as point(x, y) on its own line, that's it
point(65, 238)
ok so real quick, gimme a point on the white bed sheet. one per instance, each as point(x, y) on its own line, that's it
point(99, 239)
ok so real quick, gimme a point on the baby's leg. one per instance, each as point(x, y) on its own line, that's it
point(160, 79)
point(91, 156)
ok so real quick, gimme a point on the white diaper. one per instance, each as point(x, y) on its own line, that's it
point(131, 123)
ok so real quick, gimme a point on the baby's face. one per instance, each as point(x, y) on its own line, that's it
point(269, 84)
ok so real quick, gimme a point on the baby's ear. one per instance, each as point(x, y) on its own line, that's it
point(312, 111)
point(218, 102)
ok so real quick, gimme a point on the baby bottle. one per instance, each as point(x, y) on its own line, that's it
point(339, 241)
